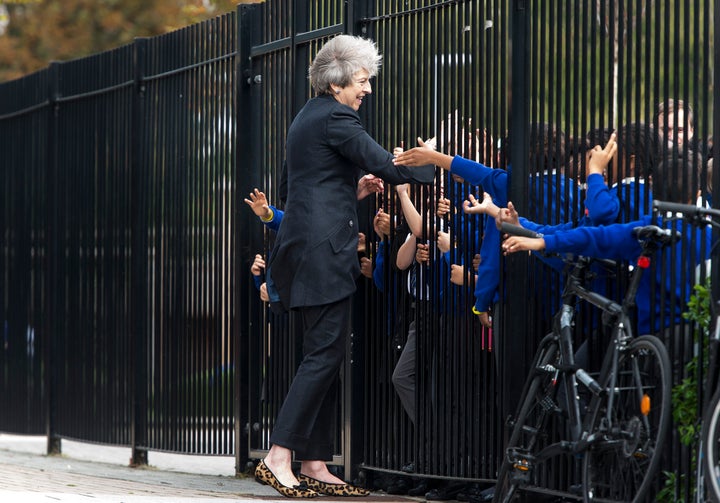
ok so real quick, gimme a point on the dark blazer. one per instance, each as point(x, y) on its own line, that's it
point(314, 260)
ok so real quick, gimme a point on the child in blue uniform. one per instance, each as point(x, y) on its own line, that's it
point(616, 241)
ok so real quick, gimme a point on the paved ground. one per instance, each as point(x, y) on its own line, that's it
point(91, 473)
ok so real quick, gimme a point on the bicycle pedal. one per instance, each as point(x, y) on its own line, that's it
point(522, 465)
point(521, 461)
point(640, 455)
point(549, 404)
point(521, 471)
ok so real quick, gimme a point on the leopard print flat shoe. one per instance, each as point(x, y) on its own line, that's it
point(332, 489)
point(264, 475)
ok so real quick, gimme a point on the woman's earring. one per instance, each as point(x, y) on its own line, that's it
point(337, 91)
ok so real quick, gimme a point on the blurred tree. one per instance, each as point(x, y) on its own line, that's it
point(37, 32)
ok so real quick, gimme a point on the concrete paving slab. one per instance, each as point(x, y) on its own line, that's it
point(95, 473)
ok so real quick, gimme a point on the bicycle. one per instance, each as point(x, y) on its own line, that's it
point(620, 436)
point(709, 466)
point(708, 473)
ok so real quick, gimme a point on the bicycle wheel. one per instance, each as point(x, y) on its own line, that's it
point(631, 425)
point(711, 448)
point(537, 404)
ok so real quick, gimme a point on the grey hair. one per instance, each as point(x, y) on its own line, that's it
point(339, 59)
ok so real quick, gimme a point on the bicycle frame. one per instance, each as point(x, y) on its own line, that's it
point(619, 437)
point(711, 385)
point(615, 315)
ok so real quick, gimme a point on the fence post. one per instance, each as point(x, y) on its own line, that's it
point(54, 445)
point(139, 265)
point(354, 367)
point(515, 329)
point(246, 154)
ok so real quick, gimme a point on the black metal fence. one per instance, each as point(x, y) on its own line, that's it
point(129, 314)
point(117, 227)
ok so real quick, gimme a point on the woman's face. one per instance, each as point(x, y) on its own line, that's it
point(353, 94)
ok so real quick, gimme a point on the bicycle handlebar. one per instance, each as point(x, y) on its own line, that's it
point(516, 230)
point(687, 210)
point(656, 234)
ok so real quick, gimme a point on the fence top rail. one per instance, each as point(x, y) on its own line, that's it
point(110, 89)
point(184, 69)
point(96, 92)
point(299, 39)
point(24, 111)
point(415, 10)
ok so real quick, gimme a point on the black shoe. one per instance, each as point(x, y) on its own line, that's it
point(576, 489)
point(420, 489)
point(379, 481)
point(398, 485)
point(468, 492)
point(408, 468)
point(484, 495)
point(447, 492)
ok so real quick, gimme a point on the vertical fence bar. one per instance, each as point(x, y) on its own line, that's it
point(139, 308)
point(515, 282)
point(247, 160)
point(352, 431)
point(56, 268)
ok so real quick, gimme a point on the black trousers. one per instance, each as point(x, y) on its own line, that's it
point(403, 377)
point(305, 423)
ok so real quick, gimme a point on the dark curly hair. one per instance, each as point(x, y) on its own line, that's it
point(641, 141)
point(676, 176)
point(547, 147)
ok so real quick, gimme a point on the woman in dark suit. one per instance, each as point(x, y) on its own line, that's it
point(314, 262)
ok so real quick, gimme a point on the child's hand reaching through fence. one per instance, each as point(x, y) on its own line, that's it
point(519, 243)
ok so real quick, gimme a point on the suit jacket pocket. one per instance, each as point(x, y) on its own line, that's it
point(343, 237)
